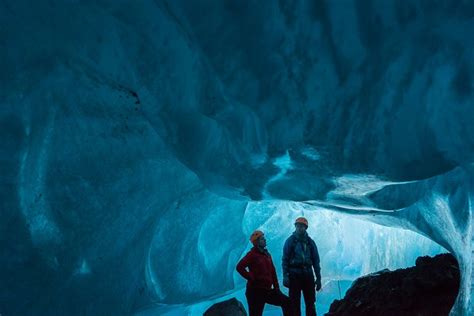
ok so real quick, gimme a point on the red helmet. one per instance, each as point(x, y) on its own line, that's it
point(302, 220)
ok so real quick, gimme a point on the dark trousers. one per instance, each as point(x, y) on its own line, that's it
point(256, 299)
point(305, 284)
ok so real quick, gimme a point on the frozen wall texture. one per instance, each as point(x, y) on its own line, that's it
point(137, 137)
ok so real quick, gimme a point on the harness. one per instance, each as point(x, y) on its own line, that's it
point(293, 244)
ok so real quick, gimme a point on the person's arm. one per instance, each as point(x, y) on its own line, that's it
point(276, 285)
point(285, 263)
point(285, 260)
point(316, 266)
point(315, 259)
point(242, 267)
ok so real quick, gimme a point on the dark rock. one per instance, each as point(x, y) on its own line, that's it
point(429, 288)
point(231, 307)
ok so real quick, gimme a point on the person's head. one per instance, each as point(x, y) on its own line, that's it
point(301, 225)
point(258, 239)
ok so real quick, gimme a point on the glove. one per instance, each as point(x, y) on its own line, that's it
point(286, 281)
point(318, 285)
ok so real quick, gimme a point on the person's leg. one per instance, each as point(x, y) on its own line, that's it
point(295, 295)
point(309, 294)
point(255, 301)
point(276, 297)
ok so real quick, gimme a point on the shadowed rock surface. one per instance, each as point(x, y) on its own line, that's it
point(429, 288)
point(231, 307)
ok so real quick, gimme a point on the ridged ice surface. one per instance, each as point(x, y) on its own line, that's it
point(141, 142)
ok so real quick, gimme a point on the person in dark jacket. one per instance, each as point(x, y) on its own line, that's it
point(300, 258)
point(262, 281)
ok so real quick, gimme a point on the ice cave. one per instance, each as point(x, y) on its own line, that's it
point(143, 141)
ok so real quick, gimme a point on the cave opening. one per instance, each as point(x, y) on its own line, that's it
point(349, 248)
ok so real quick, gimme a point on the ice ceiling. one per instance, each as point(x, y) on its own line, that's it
point(142, 140)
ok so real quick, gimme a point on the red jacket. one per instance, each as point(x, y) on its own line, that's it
point(261, 272)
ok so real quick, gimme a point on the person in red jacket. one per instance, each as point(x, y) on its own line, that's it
point(262, 281)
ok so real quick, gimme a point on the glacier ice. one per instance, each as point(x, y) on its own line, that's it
point(142, 141)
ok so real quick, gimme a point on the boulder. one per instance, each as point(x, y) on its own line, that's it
point(430, 288)
point(231, 307)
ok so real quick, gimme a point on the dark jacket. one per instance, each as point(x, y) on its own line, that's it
point(261, 272)
point(300, 254)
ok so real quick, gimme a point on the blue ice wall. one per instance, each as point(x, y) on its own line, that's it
point(135, 134)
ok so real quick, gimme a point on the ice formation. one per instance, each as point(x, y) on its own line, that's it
point(141, 141)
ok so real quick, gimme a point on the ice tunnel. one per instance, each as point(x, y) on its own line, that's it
point(142, 141)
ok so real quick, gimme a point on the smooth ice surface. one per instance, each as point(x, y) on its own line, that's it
point(138, 139)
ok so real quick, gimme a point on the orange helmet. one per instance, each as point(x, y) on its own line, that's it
point(302, 220)
point(255, 236)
